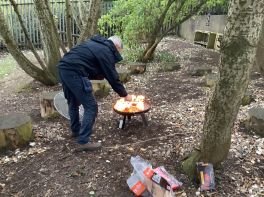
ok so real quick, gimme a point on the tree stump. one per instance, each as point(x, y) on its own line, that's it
point(47, 108)
point(15, 131)
point(256, 120)
point(124, 75)
point(101, 88)
point(137, 68)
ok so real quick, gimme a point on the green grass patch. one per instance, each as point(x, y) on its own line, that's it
point(7, 65)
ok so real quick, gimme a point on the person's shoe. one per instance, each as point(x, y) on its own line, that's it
point(88, 146)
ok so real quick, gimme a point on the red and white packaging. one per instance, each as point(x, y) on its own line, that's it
point(165, 180)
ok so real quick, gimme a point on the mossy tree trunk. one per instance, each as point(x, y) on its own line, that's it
point(237, 56)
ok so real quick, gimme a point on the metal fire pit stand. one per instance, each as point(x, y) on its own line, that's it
point(128, 115)
point(122, 122)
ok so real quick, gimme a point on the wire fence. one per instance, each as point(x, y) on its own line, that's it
point(28, 13)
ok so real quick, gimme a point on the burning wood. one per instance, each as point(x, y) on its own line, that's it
point(137, 104)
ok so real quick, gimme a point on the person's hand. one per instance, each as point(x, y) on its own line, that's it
point(128, 98)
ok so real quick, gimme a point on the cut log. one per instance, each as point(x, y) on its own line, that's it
point(47, 108)
point(15, 131)
point(101, 88)
point(256, 120)
point(137, 68)
point(124, 75)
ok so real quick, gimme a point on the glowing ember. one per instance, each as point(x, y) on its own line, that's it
point(135, 105)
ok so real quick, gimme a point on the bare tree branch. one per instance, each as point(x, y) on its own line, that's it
point(83, 15)
point(88, 28)
point(54, 26)
point(31, 46)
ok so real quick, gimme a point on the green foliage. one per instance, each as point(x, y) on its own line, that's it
point(217, 5)
point(135, 20)
point(7, 65)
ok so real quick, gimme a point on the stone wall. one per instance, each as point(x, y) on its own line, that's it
point(214, 23)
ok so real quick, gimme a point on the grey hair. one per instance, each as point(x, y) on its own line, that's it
point(117, 41)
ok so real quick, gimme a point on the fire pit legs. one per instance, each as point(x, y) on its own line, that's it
point(122, 122)
point(144, 119)
point(137, 106)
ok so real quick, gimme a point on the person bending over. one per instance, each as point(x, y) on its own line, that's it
point(92, 59)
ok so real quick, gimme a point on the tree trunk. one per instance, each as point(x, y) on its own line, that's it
point(96, 17)
point(90, 24)
point(156, 35)
point(152, 44)
point(32, 70)
point(150, 50)
point(260, 52)
point(69, 23)
point(49, 35)
point(237, 56)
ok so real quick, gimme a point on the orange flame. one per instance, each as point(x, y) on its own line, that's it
point(135, 105)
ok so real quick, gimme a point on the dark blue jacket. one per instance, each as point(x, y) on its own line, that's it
point(96, 59)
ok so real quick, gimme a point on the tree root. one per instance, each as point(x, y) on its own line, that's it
point(189, 164)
